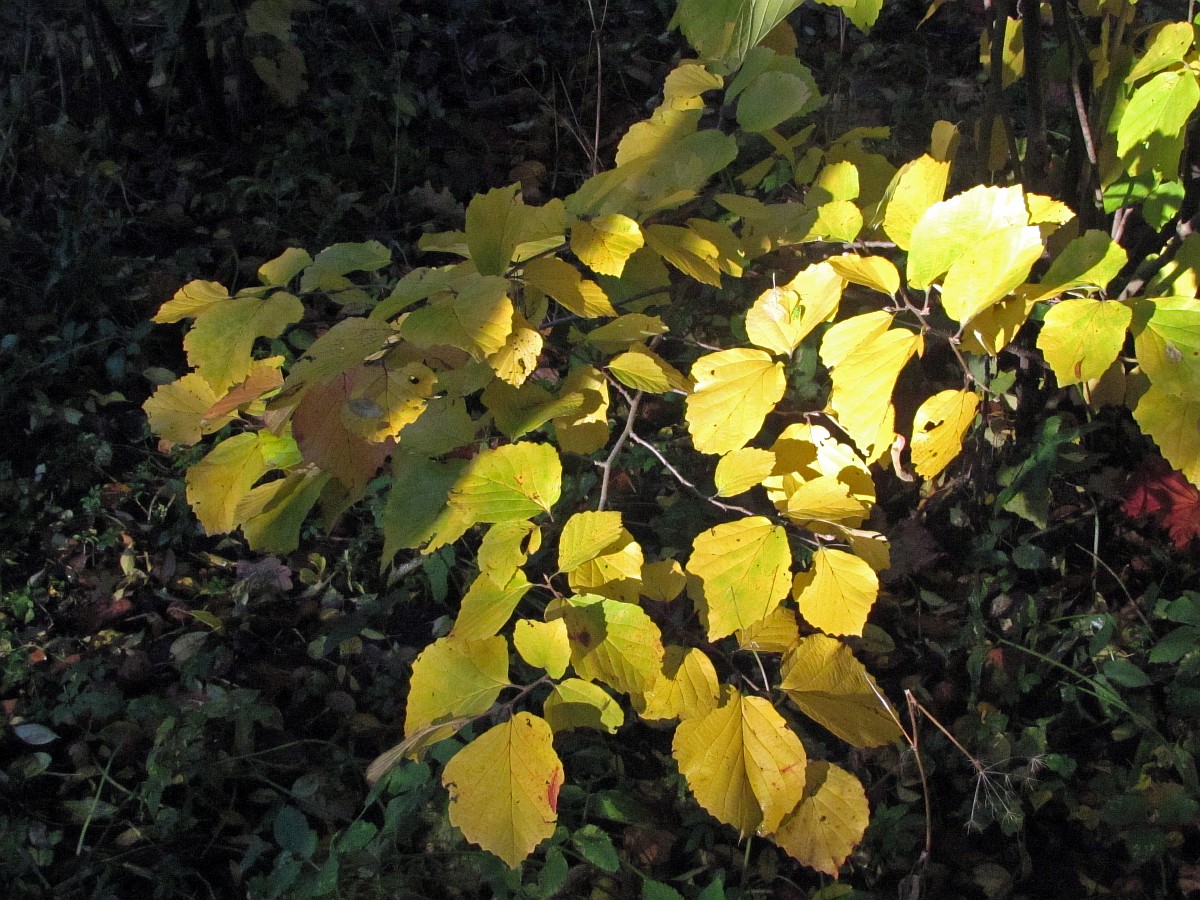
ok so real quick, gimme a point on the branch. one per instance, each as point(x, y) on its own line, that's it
point(606, 466)
point(687, 484)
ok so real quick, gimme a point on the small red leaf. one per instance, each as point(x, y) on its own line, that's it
point(1165, 496)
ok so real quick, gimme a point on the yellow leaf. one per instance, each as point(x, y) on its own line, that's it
point(605, 243)
point(740, 470)
point(644, 370)
point(575, 703)
point(562, 281)
point(805, 453)
point(631, 328)
point(916, 187)
point(869, 546)
point(614, 643)
point(1081, 338)
point(949, 229)
point(829, 822)
point(585, 431)
point(687, 81)
point(506, 547)
point(1167, 342)
point(518, 358)
point(838, 220)
point(844, 337)
point(512, 481)
point(453, 679)
point(739, 573)
point(478, 319)
point(875, 272)
point(731, 258)
point(837, 592)
point(735, 389)
point(996, 327)
point(686, 251)
point(1090, 261)
point(822, 677)
point(647, 139)
point(743, 763)
point(494, 223)
point(1173, 423)
point(862, 389)
point(283, 268)
point(177, 410)
point(782, 317)
point(220, 342)
point(585, 536)
point(342, 347)
point(487, 606)
point(615, 571)
point(543, 645)
point(990, 269)
point(824, 499)
point(662, 580)
point(938, 429)
point(384, 400)
point(687, 686)
point(190, 301)
point(504, 787)
point(217, 484)
point(777, 633)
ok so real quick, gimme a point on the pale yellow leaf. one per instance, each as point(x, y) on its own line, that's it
point(836, 594)
point(739, 572)
point(543, 645)
point(916, 187)
point(735, 389)
point(686, 251)
point(487, 606)
point(875, 272)
point(862, 389)
point(613, 642)
point(777, 633)
point(518, 358)
point(562, 281)
point(938, 429)
point(605, 243)
point(740, 470)
point(644, 370)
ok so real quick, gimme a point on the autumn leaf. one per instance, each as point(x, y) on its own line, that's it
point(830, 820)
point(1159, 493)
point(738, 573)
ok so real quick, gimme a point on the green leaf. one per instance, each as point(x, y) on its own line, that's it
point(725, 31)
point(272, 514)
point(342, 259)
point(417, 502)
point(597, 848)
point(575, 703)
point(1153, 122)
point(771, 99)
point(292, 832)
point(1167, 342)
point(220, 343)
point(510, 482)
point(494, 222)
point(1090, 261)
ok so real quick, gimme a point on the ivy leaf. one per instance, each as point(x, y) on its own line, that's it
point(740, 470)
point(513, 481)
point(453, 679)
point(938, 429)
point(735, 389)
point(687, 686)
point(822, 677)
point(836, 594)
point(614, 643)
point(1081, 338)
point(739, 573)
point(494, 222)
point(829, 822)
point(575, 703)
point(487, 606)
point(477, 319)
point(743, 763)
point(543, 645)
point(219, 482)
point(504, 787)
point(563, 282)
point(220, 342)
point(644, 370)
point(605, 243)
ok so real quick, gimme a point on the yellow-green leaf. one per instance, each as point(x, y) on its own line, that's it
point(220, 342)
point(518, 358)
point(586, 430)
point(1173, 423)
point(1080, 338)
point(494, 223)
point(575, 703)
point(219, 482)
point(487, 606)
point(177, 410)
point(740, 470)
point(686, 251)
point(614, 643)
point(782, 317)
point(829, 822)
point(272, 513)
point(938, 429)
point(543, 645)
point(506, 547)
point(1167, 341)
point(342, 259)
point(512, 481)
point(631, 328)
point(478, 319)
point(417, 506)
point(822, 677)
point(875, 272)
point(743, 763)
point(563, 282)
point(605, 243)
point(614, 571)
point(836, 594)
point(451, 679)
point(190, 301)
point(644, 370)
point(504, 787)
point(283, 268)
point(585, 536)
point(739, 573)
point(735, 389)
point(663, 580)
point(687, 686)
point(1092, 260)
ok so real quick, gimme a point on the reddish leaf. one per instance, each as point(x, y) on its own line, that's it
point(1165, 496)
point(324, 439)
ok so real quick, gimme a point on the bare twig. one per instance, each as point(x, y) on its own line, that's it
point(728, 507)
point(606, 467)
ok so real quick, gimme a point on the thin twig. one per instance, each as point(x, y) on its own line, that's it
point(607, 466)
point(728, 507)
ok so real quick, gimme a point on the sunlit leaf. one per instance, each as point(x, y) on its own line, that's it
point(614, 643)
point(822, 677)
point(1167, 342)
point(663, 580)
point(735, 389)
point(190, 301)
point(1090, 261)
point(740, 470)
point(875, 272)
point(575, 703)
point(1153, 121)
point(916, 187)
point(585, 536)
point(177, 411)
point(949, 229)
point(219, 482)
point(726, 30)
point(1081, 338)
point(782, 317)
point(989, 269)
point(543, 645)
point(506, 547)
point(283, 268)
point(586, 430)
point(220, 341)
point(777, 633)
point(494, 222)
point(504, 787)
point(512, 481)
point(644, 370)
point(686, 687)
point(829, 822)
point(384, 400)
point(478, 319)
point(453, 678)
point(605, 243)
point(938, 429)
point(488, 605)
point(836, 594)
point(614, 571)
point(1173, 423)
point(743, 763)
point(686, 251)
point(621, 332)
point(739, 572)
point(563, 282)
